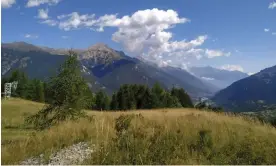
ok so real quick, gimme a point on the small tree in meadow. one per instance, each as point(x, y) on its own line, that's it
point(67, 91)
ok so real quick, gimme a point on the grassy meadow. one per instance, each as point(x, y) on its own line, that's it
point(163, 136)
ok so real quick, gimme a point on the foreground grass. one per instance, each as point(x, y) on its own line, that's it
point(13, 113)
point(179, 136)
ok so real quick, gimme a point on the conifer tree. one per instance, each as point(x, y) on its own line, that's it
point(67, 91)
point(157, 94)
point(114, 102)
point(22, 87)
point(40, 97)
point(102, 101)
point(182, 96)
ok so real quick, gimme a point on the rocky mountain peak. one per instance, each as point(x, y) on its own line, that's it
point(100, 53)
point(99, 46)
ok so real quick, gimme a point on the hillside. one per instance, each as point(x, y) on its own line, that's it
point(30, 59)
point(218, 77)
point(165, 136)
point(251, 94)
point(103, 68)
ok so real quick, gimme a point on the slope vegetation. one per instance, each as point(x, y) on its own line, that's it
point(164, 136)
point(253, 93)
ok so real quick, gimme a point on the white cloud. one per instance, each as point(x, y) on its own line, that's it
point(272, 5)
point(145, 33)
point(31, 36)
point(74, 21)
point(232, 68)
point(7, 3)
point(273, 33)
point(266, 30)
point(43, 14)
point(216, 53)
point(49, 22)
point(207, 78)
point(34, 3)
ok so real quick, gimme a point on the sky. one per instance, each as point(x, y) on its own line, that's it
point(228, 34)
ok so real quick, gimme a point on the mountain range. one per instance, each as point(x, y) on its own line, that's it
point(102, 67)
point(107, 69)
point(218, 77)
point(254, 93)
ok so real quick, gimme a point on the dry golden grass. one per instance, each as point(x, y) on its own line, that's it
point(235, 140)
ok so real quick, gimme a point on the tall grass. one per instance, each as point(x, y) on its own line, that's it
point(164, 136)
point(187, 137)
point(48, 141)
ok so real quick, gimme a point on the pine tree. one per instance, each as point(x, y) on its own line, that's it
point(183, 97)
point(102, 101)
point(157, 94)
point(30, 90)
point(147, 101)
point(67, 91)
point(40, 97)
point(131, 102)
point(122, 98)
point(23, 86)
point(106, 102)
point(15, 76)
point(114, 102)
point(139, 92)
point(170, 101)
point(89, 99)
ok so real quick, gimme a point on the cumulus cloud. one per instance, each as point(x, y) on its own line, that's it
point(216, 53)
point(272, 5)
point(34, 3)
point(232, 68)
point(31, 36)
point(7, 3)
point(43, 14)
point(266, 30)
point(145, 33)
point(75, 20)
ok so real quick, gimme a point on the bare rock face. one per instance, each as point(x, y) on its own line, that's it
point(99, 54)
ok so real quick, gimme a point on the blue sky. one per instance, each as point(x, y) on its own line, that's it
point(229, 34)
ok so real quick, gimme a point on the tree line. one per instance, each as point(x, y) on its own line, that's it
point(30, 89)
point(133, 96)
point(128, 97)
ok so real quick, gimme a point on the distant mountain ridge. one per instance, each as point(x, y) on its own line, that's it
point(250, 94)
point(218, 77)
point(102, 67)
